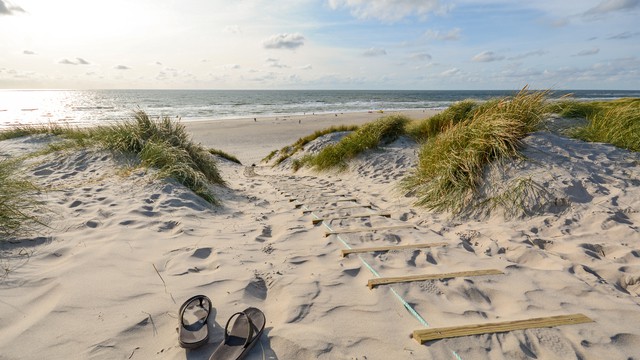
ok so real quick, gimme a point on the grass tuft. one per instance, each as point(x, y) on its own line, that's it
point(288, 151)
point(618, 124)
point(17, 200)
point(425, 129)
point(164, 144)
point(161, 143)
point(451, 165)
point(368, 136)
point(224, 155)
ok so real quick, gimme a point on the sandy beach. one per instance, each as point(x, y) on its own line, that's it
point(122, 252)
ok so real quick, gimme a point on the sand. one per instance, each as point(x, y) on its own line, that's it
point(124, 250)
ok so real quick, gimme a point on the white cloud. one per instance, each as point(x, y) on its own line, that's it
point(450, 72)
point(624, 35)
point(558, 23)
point(306, 67)
point(421, 57)
point(390, 10)
point(588, 52)
point(608, 6)
point(528, 54)
point(121, 67)
point(6, 8)
point(487, 56)
point(79, 61)
point(374, 52)
point(451, 35)
point(275, 63)
point(28, 52)
point(284, 41)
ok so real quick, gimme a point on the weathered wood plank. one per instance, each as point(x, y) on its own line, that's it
point(424, 335)
point(317, 221)
point(366, 206)
point(346, 252)
point(368, 229)
point(325, 202)
point(398, 279)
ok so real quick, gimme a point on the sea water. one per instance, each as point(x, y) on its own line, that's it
point(88, 107)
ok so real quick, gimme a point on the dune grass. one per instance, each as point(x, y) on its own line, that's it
point(574, 109)
point(288, 151)
point(617, 123)
point(451, 165)
point(425, 129)
point(159, 143)
point(18, 200)
point(224, 155)
point(368, 136)
point(166, 145)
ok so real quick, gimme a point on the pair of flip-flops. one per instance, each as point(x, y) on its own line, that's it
point(245, 331)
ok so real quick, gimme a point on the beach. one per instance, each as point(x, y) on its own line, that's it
point(123, 250)
point(252, 139)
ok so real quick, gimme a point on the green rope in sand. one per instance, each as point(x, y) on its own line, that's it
point(410, 308)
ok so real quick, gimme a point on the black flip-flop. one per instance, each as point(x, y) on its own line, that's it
point(245, 333)
point(193, 334)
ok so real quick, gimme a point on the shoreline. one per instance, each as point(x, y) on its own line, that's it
point(275, 132)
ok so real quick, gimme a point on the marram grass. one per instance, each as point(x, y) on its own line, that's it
point(288, 151)
point(427, 128)
point(618, 124)
point(166, 145)
point(18, 200)
point(160, 143)
point(368, 136)
point(451, 165)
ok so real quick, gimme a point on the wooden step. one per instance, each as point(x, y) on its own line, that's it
point(367, 206)
point(325, 201)
point(346, 252)
point(410, 278)
point(367, 229)
point(425, 335)
point(317, 221)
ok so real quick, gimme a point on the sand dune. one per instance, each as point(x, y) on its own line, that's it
point(124, 250)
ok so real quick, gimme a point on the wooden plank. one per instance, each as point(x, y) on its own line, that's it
point(317, 221)
point(399, 279)
point(346, 252)
point(368, 229)
point(424, 335)
point(314, 196)
point(368, 206)
point(325, 202)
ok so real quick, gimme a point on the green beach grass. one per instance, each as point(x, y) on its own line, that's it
point(616, 123)
point(368, 136)
point(288, 151)
point(451, 165)
point(161, 143)
point(18, 200)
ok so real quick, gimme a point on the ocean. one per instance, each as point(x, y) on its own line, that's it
point(89, 107)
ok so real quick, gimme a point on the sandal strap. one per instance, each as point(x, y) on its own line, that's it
point(251, 326)
point(184, 306)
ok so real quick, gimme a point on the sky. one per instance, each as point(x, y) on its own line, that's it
point(320, 44)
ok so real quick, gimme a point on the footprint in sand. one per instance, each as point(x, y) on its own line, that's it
point(266, 233)
point(257, 289)
point(202, 253)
